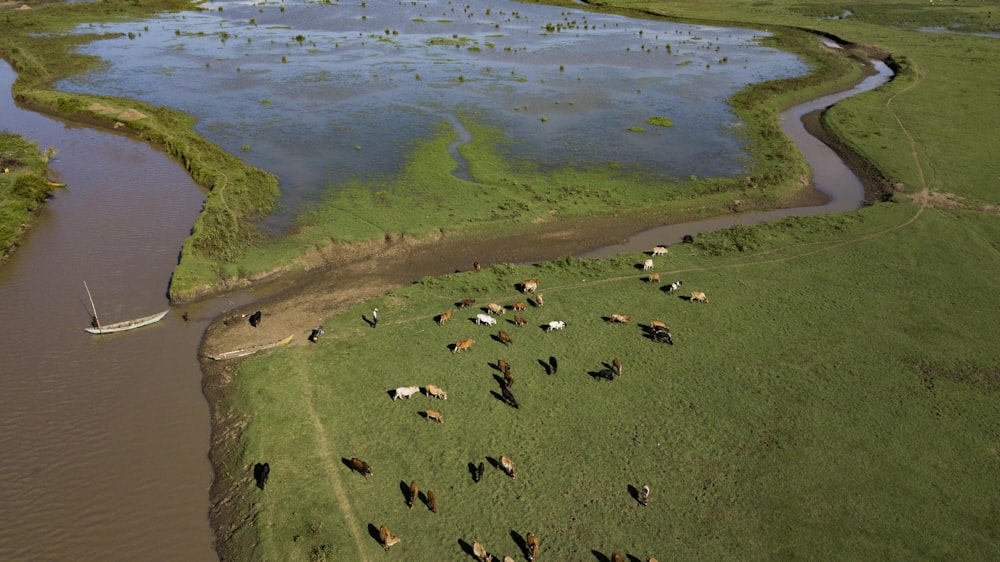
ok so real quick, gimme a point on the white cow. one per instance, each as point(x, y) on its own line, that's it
point(660, 250)
point(405, 392)
point(485, 319)
point(647, 265)
point(555, 325)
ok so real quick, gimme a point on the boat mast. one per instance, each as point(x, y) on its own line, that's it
point(94, 308)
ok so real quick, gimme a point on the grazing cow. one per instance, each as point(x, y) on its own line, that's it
point(657, 325)
point(555, 325)
point(466, 303)
point(463, 345)
point(361, 467)
point(260, 474)
point(476, 265)
point(644, 499)
point(432, 501)
point(553, 364)
point(518, 321)
point(519, 305)
point(615, 557)
point(687, 239)
point(508, 379)
point(647, 265)
point(405, 392)
point(674, 286)
point(315, 334)
point(508, 559)
point(662, 335)
point(539, 301)
point(479, 472)
point(386, 537)
point(617, 365)
point(508, 397)
point(414, 491)
point(436, 392)
point(620, 318)
point(698, 296)
point(505, 338)
point(485, 319)
point(479, 551)
point(503, 365)
point(494, 308)
point(508, 466)
point(255, 319)
point(532, 542)
point(529, 285)
point(444, 317)
point(434, 415)
point(660, 250)
point(653, 278)
point(651, 559)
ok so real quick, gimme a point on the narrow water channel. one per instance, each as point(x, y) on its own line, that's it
point(105, 439)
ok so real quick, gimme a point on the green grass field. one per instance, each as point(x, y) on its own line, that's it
point(23, 188)
point(829, 402)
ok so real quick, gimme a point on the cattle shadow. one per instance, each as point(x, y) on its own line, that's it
point(495, 463)
point(640, 266)
point(599, 556)
point(261, 473)
point(373, 532)
point(404, 488)
point(467, 548)
point(554, 364)
point(635, 493)
point(500, 380)
point(684, 297)
point(392, 393)
point(370, 322)
point(548, 369)
point(521, 543)
point(603, 374)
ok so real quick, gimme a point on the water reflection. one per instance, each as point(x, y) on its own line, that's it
point(320, 93)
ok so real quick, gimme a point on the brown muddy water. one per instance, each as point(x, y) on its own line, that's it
point(105, 440)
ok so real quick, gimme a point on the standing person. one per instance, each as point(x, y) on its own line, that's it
point(374, 318)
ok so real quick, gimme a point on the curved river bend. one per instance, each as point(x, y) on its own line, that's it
point(105, 439)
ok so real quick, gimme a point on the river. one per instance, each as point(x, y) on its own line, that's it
point(105, 439)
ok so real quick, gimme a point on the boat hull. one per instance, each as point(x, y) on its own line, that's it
point(128, 324)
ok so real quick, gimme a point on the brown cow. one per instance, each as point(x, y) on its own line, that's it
point(620, 318)
point(508, 466)
point(479, 551)
point(361, 467)
point(432, 501)
point(505, 338)
point(503, 365)
point(615, 557)
point(653, 278)
point(698, 296)
point(463, 345)
point(539, 301)
point(414, 492)
point(532, 542)
point(529, 285)
point(444, 317)
point(435, 392)
point(494, 308)
point(618, 366)
point(508, 379)
point(656, 324)
point(476, 265)
point(466, 303)
point(434, 415)
point(518, 321)
point(519, 305)
point(386, 537)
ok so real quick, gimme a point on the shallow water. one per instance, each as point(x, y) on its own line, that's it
point(366, 80)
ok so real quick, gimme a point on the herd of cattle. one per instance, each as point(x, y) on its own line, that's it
point(656, 331)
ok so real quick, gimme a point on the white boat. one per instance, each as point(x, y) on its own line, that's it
point(128, 324)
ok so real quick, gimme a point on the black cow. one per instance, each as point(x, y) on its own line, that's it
point(477, 474)
point(554, 364)
point(314, 336)
point(508, 397)
point(662, 335)
point(260, 474)
point(255, 319)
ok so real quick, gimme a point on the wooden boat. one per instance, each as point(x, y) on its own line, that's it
point(128, 324)
point(243, 352)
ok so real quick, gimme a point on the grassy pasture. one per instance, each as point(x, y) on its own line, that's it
point(830, 402)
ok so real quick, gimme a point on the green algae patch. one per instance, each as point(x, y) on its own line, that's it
point(660, 121)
